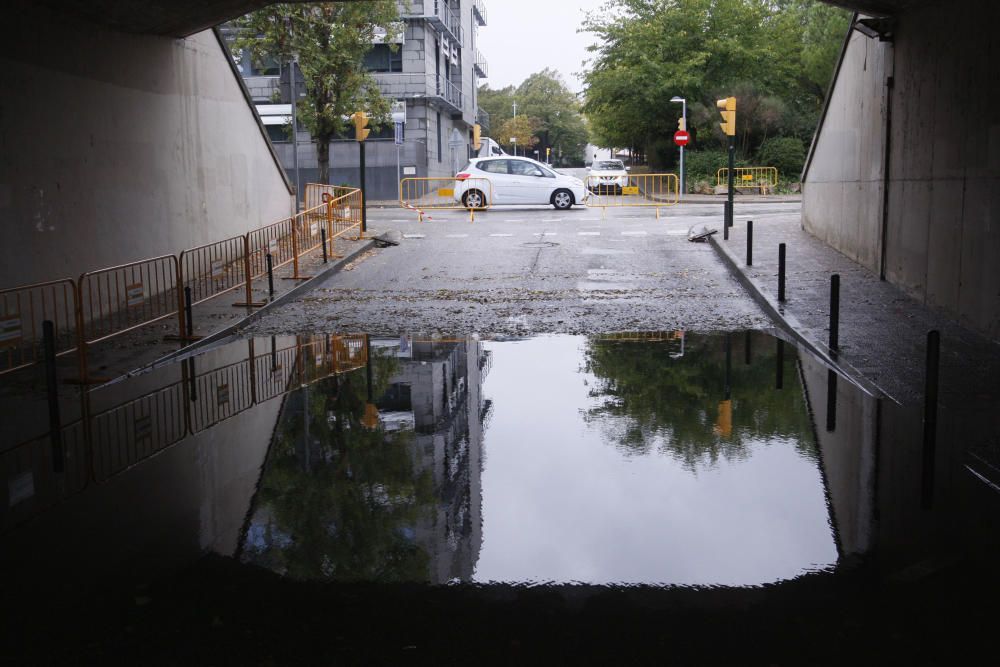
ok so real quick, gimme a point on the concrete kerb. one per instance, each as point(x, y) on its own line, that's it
point(229, 332)
point(770, 305)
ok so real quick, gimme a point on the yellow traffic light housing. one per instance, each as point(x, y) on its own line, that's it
point(360, 120)
point(727, 108)
point(548, 154)
point(682, 124)
point(477, 138)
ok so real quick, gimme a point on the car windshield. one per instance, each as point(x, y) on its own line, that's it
point(609, 165)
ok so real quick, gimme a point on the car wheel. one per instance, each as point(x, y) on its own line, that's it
point(474, 199)
point(562, 199)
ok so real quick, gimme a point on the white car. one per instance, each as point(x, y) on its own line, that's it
point(516, 180)
point(607, 176)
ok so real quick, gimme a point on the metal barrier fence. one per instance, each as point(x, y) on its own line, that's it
point(113, 301)
point(35, 480)
point(641, 190)
point(132, 432)
point(446, 194)
point(213, 269)
point(22, 311)
point(760, 178)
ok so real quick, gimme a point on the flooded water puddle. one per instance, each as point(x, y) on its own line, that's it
point(618, 460)
point(661, 459)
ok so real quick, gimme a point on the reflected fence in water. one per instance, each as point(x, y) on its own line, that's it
point(43, 471)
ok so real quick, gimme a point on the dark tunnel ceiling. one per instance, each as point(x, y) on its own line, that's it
point(180, 18)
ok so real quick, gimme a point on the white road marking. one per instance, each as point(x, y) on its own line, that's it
point(543, 219)
point(500, 235)
point(546, 234)
point(414, 236)
point(634, 233)
point(672, 232)
point(456, 236)
point(588, 233)
point(510, 220)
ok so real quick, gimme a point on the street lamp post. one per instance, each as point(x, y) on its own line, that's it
point(684, 122)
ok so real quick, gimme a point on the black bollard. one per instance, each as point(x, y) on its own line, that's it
point(781, 272)
point(270, 274)
point(52, 390)
point(188, 313)
point(749, 242)
point(725, 226)
point(322, 233)
point(834, 314)
point(930, 418)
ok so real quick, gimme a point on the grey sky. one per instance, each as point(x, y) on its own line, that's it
point(525, 36)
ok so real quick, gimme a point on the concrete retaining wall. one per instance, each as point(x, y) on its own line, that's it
point(115, 148)
point(941, 227)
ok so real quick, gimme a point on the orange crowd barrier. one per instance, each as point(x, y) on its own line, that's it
point(22, 311)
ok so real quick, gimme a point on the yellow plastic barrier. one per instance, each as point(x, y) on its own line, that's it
point(760, 178)
point(642, 190)
point(446, 194)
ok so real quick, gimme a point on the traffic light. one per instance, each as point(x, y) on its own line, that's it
point(548, 154)
point(682, 124)
point(477, 139)
point(727, 108)
point(360, 120)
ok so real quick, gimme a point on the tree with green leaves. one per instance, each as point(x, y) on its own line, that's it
point(553, 111)
point(330, 40)
point(523, 130)
point(775, 56)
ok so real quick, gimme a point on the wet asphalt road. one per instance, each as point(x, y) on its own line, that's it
point(534, 270)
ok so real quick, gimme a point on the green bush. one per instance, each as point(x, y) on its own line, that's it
point(703, 165)
point(788, 154)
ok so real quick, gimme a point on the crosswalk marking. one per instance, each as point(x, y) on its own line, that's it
point(456, 236)
point(500, 235)
point(414, 236)
point(677, 232)
point(545, 234)
point(588, 233)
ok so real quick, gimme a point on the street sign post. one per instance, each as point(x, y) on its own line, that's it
point(682, 138)
point(398, 138)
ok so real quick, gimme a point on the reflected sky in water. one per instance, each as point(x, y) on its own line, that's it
point(548, 460)
point(564, 501)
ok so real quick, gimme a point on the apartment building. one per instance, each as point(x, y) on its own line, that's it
point(433, 74)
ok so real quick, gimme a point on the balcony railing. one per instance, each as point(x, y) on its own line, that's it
point(442, 16)
point(422, 86)
point(479, 12)
point(480, 65)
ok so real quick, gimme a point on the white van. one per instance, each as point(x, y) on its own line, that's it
point(489, 148)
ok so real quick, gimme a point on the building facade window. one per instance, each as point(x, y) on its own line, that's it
point(383, 58)
point(440, 151)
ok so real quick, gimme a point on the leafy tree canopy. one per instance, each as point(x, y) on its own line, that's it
point(775, 56)
point(330, 40)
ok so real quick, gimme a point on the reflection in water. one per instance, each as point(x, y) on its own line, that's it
point(641, 459)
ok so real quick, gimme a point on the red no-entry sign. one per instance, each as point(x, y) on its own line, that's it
point(681, 137)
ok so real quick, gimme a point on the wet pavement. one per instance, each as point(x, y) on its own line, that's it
point(537, 438)
point(373, 499)
point(529, 270)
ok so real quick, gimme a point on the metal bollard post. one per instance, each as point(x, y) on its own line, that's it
point(270, 274)
point(725, 226)
point(930, 418)
point(781, 272)
point(322, 233)
point(749, 242)
point(188, 313)
point(52, 389)
point(834, 314)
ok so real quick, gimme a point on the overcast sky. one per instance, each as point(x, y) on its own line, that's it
point(522, 37)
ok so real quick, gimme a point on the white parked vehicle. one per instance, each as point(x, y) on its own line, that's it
point(489, 148)
point(516, 180)
point(607, 176)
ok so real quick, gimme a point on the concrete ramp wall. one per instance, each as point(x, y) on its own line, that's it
point(116, 147)
point(940, 225)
